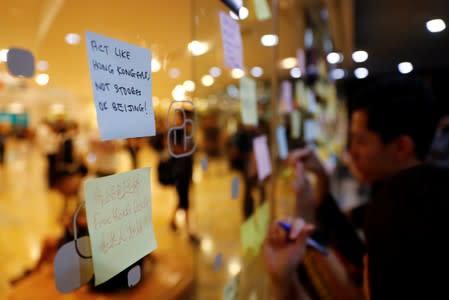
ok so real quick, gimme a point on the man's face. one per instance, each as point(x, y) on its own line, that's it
point(372, 159)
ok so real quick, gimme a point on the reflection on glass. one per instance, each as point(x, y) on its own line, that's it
point(295, 72)
point(42, 79)
point(269, 40)
point(288, 63)
point(189, 85)
point(215, 71)
point(72, 38)
point(337, 74)
point(197, 48)
point(4, 55)
point(234, 266)
point(155, 65)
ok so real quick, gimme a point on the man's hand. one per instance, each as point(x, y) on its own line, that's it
point(282, 254)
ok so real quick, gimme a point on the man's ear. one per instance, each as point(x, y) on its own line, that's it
point(404, 148)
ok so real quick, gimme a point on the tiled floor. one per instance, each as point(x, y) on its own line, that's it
point(29, 214)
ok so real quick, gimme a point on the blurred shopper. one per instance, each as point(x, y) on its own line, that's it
point(392, 126)
point(48, 141)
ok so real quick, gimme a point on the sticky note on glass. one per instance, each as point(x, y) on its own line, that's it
point(70, 270)
point(118, 209)
point(263, 162)
point(286, 104)
point(310, 130)
point(248, 101)
point(235, 187)
point(281, 135)
point(20, 62)
point(121, 82)
point(301, 59)
point(232, 41)
point(249, 237)
point(262, 10)
point(204, 164)
point(295, 119)
point(231, 289)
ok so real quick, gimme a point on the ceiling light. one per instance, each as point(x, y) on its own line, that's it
point(72, 38)
point(189, 85)
point(361, 73)
point(207, 80)
point(178, 92)
point(334, 58)
point(256, 72)
point(405, 67)
point(4, 55)
point(42, 79)
point(243, 13)
point(174, 73)
point(197, 48)
point(435, 25)
point(155, 65)
point(360, 56)
point(237, 73)
point(42, 65)
point(295, 72)
point(215, 71)
point(337, 74)
point(288, 63)
point(269, 40)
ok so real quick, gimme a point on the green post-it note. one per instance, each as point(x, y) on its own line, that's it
point(249, 237)
point(262, 10)
point(248, 103)
point(263, 219)
point(118, 209)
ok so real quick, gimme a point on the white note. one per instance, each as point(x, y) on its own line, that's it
point(262, 10)
point(310, 130)
point(232, 42)
point(301, 59)
point(248, 101)
point(121, 83)
point(263, 162)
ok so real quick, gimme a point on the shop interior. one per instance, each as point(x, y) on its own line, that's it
point(300, 60)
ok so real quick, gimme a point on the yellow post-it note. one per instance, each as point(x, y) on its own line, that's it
point(262, 10)
point(119, 217)
point(263, 219)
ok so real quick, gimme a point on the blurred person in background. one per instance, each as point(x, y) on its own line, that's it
point(392, 126)
point(439, 151)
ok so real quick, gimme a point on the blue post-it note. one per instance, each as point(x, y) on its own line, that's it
point(204, 163)
point(281, 135)
point(235, 187)
point(218, 260)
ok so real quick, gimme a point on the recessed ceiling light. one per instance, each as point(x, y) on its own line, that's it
point(215, 71)
point(435, 25)
point(334, 57)
point(42, 65)
point(337, 74)
point(155, 65)
point(269, 40)
point(189, 85)
point(288, 62)
point(256, 71)
point(361, 73)
point(72, 38)
point(197, 48)
point(174, 73)
point(237, 73)
point(42, 79)
point(207, 80)
point(360, 56)
point(295, 72)
point(4, 55)
point(405, 67)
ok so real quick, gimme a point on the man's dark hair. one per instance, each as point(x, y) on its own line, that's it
point(400, 106)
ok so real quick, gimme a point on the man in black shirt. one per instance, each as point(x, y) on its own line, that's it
point(392, 126)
